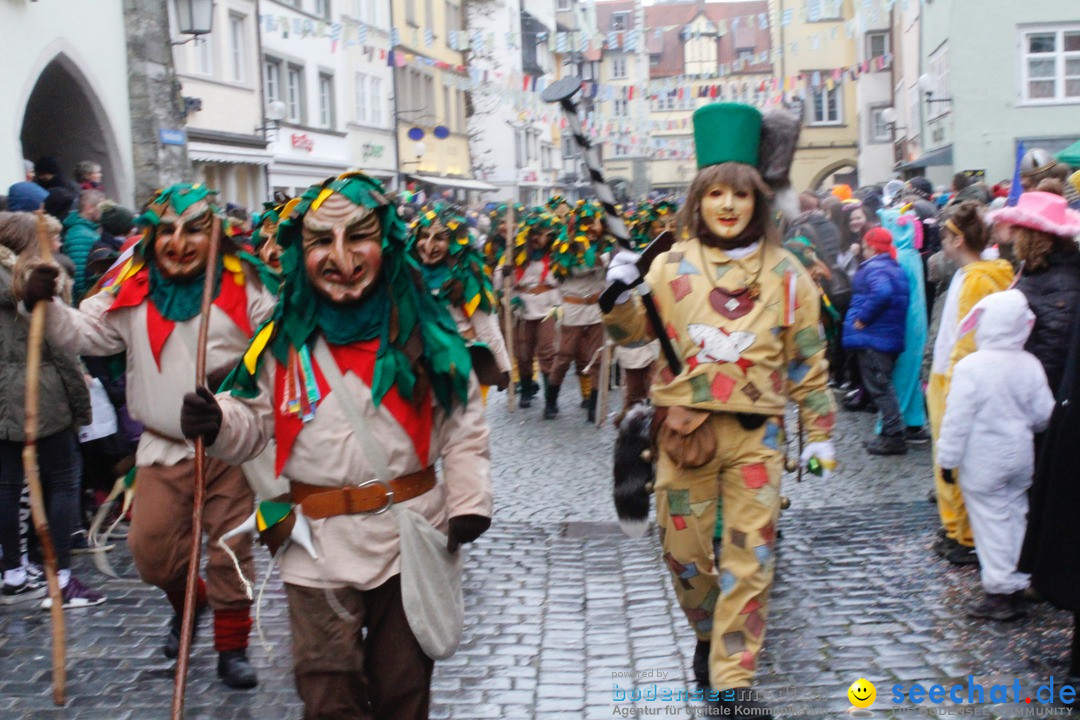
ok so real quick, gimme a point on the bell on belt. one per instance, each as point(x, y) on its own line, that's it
point(791, 464)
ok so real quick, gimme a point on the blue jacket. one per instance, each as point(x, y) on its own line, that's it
point(879, 299)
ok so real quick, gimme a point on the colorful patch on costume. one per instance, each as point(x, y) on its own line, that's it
point(777, 382)
point(771, 439)
point(673, 565)
point(751, 391)
point(825, 422)
point(688, 268)
point(678, 502)
point(727, 581)
point(678, 522)
point(752, 606)
point(719, 346)
point(797, 371)
point(734, 643)
point(709, 603)
point(755, 476)
point(747, 660)
point(754, 624)
point(723, 270)
point(764, 554)
point(766, 497)
point(666, 375)
point(699, 508)
point(680, 287)
point(768, 534)
point(689, 571)
point(738, 538)
point(809, 341)
point(722, 387)
point(819, 401)
point(617, 333)
point(701, 389)
point(675, 257)
point(782, 267)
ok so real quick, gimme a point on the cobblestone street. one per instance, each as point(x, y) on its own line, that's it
point(560, 606)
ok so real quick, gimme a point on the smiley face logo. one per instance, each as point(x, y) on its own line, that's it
point(862, 693)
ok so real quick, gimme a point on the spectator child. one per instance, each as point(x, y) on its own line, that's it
point(874, 327)
point(998, 399)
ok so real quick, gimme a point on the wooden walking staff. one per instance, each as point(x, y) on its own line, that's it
point(562, 92)
point(33, 479)
point(508, 292)
point(180, 681)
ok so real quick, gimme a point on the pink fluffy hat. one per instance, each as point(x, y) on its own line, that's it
point(1043, 211)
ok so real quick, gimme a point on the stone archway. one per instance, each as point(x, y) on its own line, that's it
point(64, 118)
point(837, 168)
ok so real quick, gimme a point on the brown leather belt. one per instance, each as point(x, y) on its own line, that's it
point(318, 501)
point(586, 300)
point(538, 290)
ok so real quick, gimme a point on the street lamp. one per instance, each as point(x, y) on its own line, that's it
point(275, 113)
point(194, 17)
point(928, 85)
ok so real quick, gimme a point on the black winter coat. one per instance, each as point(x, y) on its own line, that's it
point(820, 231)
point(1051, 551)
point(1054, 296)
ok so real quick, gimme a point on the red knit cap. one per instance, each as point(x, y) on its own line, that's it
point(881, 240)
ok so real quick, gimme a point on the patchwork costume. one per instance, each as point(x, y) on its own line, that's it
point(745, 323)
point(407, 372)
point(156, 321)
point(578, 264)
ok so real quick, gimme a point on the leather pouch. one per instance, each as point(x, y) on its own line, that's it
point(687, 437)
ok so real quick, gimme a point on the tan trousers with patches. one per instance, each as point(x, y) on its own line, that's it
point(730, 606)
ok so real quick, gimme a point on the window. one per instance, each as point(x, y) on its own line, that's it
point(326, 100)
point(618, 68)
point(880, 131)
point(620, 21)
point(826, 106)
point(545, 156)
point(569, 148)
point(562, 5)
point(236, 39)
point(273, 79)
point(294, 93)
point(877, 45)
point(453, 18)
point(377, 102)
point(939, 70)
point(447, 112)
point(322, 8)
point(622, 108)
point(410, 13)
point(204, 56)
point(1051, 64)
point(520, 143)
point(360, 98)
point(745, 55)
point(429, 15)
point(462, 111)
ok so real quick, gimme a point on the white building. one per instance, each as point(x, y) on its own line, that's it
point(874, 93)
point(65, 90)
point(221, 86)
point(504, 116)
point(369, 99)
point(305, 78)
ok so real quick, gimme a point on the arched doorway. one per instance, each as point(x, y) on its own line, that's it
point(842, 172)
point(64, 119)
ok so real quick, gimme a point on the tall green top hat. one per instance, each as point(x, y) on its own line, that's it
point(727, 132)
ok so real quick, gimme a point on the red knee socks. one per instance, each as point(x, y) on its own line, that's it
point(231, 629)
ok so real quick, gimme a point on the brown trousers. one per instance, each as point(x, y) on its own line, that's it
point(637, 382)
point(578, 344)
point(160, 535)
point(532, 339)
point(340, 671)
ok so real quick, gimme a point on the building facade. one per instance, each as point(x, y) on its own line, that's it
point(816, 48)
point(305, 76)
point(873, 86)
point(221, 87)
point(1025, 86)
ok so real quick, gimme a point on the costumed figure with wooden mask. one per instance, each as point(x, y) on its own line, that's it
point(743, 316)
point(364, 384)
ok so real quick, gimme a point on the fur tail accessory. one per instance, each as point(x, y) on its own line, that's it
point(633, 470)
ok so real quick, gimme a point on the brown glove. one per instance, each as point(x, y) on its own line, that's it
point(40, 285)
point(200, 415)
point(465, 529)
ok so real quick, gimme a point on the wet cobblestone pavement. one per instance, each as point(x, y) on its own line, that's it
point(560, 606)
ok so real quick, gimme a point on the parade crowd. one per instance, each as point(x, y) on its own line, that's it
point(350, 314)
